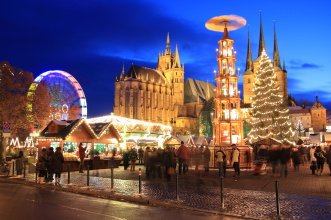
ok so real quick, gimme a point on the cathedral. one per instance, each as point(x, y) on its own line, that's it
point(161, 95)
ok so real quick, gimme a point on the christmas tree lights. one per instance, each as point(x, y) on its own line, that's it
point(269, 114)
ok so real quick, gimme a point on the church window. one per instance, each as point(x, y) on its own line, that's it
point(249, 80)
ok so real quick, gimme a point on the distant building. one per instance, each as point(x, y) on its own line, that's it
point(310, 116)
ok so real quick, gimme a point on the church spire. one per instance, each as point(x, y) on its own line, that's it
point(122, 73)
point(261, 42)
point(284, 67)
point(249, 60)
point(168, 51)
point(276, 52)
point(176, 63)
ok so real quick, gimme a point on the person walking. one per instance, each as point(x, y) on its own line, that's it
point(206, 158)
point(81, 153)
point(58, 161)
point(303, 154)
point(168, 162)
point(285, 156)
point(220, 156)
point(235, 160)
point(141, 155)
point(313, 160)
point(147, 161)
point(296, 158)
point(49, 165)
point(320, 159)
point(133, 155)
point(274, 156)
point(20, 163)
point(183, 155)
point(41, 166)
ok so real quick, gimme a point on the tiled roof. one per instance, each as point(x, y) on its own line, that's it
point(195, 88)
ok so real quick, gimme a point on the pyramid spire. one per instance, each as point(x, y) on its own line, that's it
point(276, 52)
point(249, 60)
point(168, 51)
point(225, 32)
point(261, 42)
point(122, 73)
point(176, 63)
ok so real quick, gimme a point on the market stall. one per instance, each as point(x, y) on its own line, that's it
point(69, 134)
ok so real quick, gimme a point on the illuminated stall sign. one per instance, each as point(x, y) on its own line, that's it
point(28, 143)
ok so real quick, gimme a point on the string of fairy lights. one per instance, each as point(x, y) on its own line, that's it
point(269, 117)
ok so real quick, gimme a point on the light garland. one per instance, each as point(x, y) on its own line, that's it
point(269, 117)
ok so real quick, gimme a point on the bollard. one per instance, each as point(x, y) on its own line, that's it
point(68, 174)
point(112, 176)
point(222, 194)
point(177, 186)
point(277, 198)
point(139, 180)
point(88, 175)
point(36, 174)
point(13, 168)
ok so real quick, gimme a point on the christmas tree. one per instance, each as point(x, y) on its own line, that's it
point(269, 114)
point(300, 127)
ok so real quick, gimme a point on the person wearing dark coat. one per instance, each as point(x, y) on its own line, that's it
point(20, 163)
point(168, 162)
point(273, 156)
point(58, 161)
point(41, 166)
point(320, 157)
point(285, 156)
point(296, 158)
point(49, 165)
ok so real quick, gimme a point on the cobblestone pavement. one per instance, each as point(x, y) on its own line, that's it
point(302, 195)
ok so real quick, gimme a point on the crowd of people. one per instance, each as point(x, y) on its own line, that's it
point(280, 157)
point(50, 163)
point(160, 162)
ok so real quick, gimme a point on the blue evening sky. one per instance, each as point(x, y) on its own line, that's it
point(91, 39)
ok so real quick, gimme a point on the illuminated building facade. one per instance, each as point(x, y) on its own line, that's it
point(160, 95)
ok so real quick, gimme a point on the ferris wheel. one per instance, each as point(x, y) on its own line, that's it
point(68, 90)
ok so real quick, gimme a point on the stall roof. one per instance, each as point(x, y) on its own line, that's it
point(70, 126)
point(185, 138)
point(199, 140)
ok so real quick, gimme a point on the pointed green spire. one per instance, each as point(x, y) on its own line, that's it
point(261, 42)
point(176, 63)
point(276, 52)
point(249, 60)
point(168, 50)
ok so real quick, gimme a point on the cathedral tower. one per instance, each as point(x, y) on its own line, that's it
point(173, 70)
